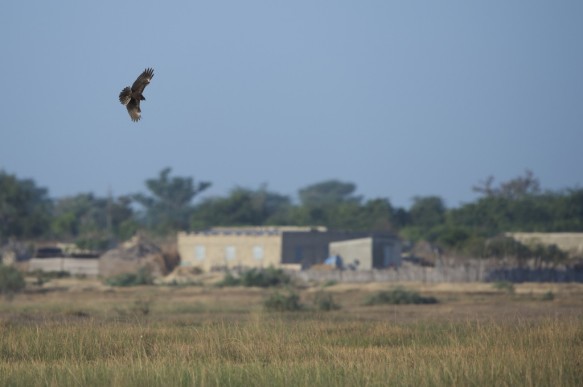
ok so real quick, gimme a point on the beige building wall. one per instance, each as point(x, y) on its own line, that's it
point(209, 250)
point(567, 241)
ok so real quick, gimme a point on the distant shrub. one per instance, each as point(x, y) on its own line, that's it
point(548, 296)
point(11, 280)
point(229, 280)
point(195, 270)
point(142, 307)
point(399, 296)
point(265, 278)
point(324, 302)
point(78, 313)
point(262, 278)
point(141, 277)
point(278, 302)
point(329, 283)
point(45, 276)
point(504, 286)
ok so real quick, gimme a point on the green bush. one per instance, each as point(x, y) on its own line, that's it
point(329, 283)
point(230, 280)
point(262, 278)
point(278, 302)
point(548, 296)
point(399, 296)
point(45, 276)
point(265, 278)
point(504, 286)
point(11, 280)
point(141, 277)
point(323, 301)
point(142, 307)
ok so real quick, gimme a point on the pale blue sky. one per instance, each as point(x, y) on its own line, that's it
point(402, 98)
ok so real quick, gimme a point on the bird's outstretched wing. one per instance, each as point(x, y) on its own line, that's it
point(142, 81)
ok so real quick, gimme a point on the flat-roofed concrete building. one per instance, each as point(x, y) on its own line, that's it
point(245, 247)
point(378, 251)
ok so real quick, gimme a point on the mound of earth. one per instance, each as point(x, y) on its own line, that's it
point(131, 256)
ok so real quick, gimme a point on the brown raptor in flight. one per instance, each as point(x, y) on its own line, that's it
point(131, 97)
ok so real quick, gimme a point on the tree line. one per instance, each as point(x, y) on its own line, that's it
point(27, 212)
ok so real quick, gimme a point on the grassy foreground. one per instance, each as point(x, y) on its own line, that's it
point(70, 332)
point(272, 350)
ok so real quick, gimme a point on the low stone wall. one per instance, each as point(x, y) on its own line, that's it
point(420, 274)
point(535, 275)
point(75, 266)
point(473, 272)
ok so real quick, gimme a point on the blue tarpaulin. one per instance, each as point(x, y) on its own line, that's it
point(334, 260)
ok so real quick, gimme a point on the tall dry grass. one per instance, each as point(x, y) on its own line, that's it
point(269, 350)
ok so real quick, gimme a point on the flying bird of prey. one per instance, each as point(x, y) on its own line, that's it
point(131, 97)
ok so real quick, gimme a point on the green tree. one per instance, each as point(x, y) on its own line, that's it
point(121, 217)
point(169, 207)
point(330, 203)
point(11, 280)
point(512, 189)
point(328, 192)
point(373, 215)
point(450, 236)
point(242, 207)
point(566, 209)
point(24, 208)
point(544, 212)
point(93, 222)
point(425, 214)
point(78, 214)
point(377, 215)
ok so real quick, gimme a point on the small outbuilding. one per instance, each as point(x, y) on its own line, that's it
point(378, 251)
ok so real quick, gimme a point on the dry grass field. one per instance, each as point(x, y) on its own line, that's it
point(80, 332)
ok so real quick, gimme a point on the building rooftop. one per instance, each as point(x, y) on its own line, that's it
point(257, 230)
